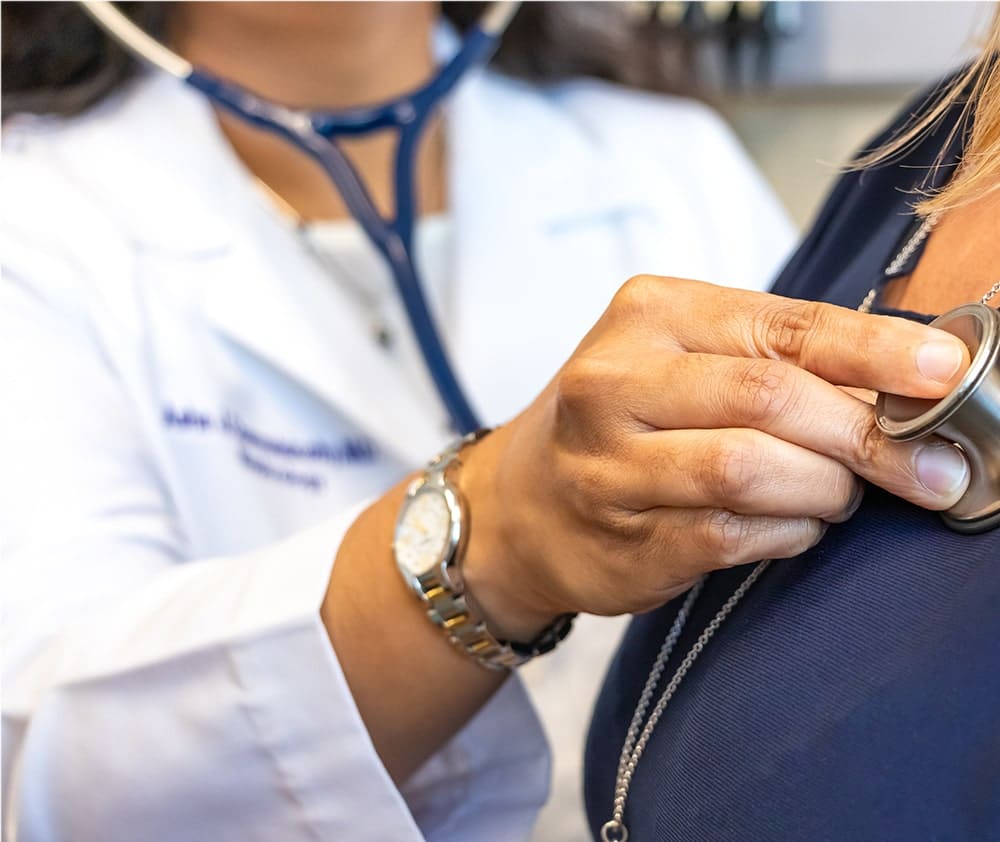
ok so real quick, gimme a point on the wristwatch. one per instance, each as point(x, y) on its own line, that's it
point(429, 543)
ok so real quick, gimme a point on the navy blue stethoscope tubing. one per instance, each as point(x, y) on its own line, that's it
point(315, 134)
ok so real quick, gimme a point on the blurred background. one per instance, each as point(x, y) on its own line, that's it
point(805, 83)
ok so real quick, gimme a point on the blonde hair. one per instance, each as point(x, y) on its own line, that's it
point(978, 87)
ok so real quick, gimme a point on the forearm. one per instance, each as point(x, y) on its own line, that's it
point(413, 688)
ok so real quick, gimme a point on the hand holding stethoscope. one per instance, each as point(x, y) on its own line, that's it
point(669, 446)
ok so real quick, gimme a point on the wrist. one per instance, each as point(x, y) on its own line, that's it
point(500, 581)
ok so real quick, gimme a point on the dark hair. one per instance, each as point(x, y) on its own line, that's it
point(57, 61)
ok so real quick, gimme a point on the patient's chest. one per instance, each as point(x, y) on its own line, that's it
point(853, 694)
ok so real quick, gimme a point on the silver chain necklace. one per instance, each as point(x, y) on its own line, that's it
point(639, 734)
point(636, 740)
point(905, 253)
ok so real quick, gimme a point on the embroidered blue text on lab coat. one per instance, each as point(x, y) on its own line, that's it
point(257, 451)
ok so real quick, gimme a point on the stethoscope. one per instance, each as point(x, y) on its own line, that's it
point(315, 133)
point(969, 416)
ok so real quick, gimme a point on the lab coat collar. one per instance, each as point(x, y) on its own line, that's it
point(197, 173)
point(257, 286)
point(507, 141)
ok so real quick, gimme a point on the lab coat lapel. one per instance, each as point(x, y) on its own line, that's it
point(213, 238)
point(259, 289)
point(274, 301)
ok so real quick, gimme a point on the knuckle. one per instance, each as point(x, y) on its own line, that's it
point(636, 294)
point(581, 383)
point(572, 384)
point(783, 329)
point(631, 528)
point(732, 467)
point(762, 389)
point(591, 495)
point(588, 484)
point(867, 442)
point(628, 529)
point(620, 550)
point(653, 569)
point(728, 535)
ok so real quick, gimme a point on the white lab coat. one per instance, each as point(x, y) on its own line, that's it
point(192, 413)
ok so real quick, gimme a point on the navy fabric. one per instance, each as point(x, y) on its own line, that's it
point(854, 694)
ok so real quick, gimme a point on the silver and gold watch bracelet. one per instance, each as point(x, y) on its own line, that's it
point(450, 607)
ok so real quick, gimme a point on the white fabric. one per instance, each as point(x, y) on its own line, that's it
point(353, 262)
point(193, 411)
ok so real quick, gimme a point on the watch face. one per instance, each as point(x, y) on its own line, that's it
point(422, 532)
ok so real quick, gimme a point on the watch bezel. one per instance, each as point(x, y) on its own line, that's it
point(444, 571)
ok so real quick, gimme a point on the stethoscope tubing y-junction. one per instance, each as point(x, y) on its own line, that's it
point(316, 133)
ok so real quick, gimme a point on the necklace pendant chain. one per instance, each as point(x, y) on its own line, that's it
point(901, 259)
point(639, 734)
point(911, 245)
point(990, 293)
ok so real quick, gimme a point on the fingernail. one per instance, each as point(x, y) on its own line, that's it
point(939, 359)
point(941, 469)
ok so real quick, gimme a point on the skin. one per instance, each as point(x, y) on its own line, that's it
point(960, 262)
point(319, 55)
point(665, 447)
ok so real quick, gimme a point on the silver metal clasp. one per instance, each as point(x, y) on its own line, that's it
point(968, 416)
point(614, 831)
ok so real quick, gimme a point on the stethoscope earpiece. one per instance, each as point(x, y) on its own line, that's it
point(969, 416)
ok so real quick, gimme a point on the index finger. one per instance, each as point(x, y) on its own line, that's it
point(844, 347)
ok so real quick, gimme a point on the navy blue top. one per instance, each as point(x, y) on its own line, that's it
point(854, 694)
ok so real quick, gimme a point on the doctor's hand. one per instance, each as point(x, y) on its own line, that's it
point(696, 427)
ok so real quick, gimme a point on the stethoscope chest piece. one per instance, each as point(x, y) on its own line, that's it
point(969, 416)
